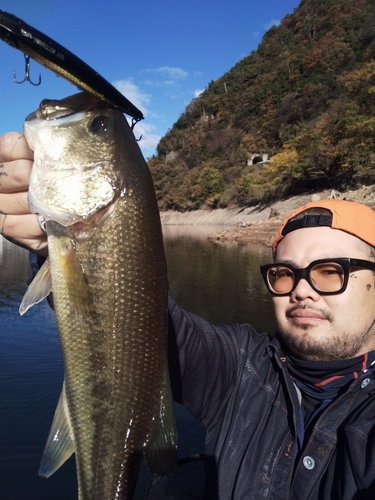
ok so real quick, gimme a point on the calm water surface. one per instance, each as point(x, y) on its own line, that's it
point(220, 282)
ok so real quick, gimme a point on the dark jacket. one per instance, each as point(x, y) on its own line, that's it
point(234, 380)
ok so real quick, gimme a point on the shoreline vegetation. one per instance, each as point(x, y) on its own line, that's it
point(258, 224)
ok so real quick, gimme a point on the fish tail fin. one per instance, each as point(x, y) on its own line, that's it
point(161, 454)
point(60, 444)
point(39, 288)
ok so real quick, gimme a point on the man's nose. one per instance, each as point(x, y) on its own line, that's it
point(303, 291)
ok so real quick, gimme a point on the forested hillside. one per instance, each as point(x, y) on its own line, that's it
point(305, 97)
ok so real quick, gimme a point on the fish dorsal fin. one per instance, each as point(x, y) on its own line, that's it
point(60, 443)
point(39, 289)
point(161, 454)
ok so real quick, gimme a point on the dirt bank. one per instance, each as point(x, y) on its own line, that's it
point(258, 224)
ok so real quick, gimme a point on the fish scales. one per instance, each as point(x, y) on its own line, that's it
point(110, 297)
point(118, 361)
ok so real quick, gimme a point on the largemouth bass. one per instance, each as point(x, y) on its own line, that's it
point(107, 272)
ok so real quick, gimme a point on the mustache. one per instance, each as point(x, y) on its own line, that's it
point(324, 312)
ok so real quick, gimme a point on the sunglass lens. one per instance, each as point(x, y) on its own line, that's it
point(327, 277)
point(281, 279)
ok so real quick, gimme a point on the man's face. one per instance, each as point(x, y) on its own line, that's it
point(326, 327)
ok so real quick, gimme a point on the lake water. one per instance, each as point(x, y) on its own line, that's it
point(218, 281)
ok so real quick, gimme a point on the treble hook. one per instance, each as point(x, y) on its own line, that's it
point(134, 123)
point(27, 73)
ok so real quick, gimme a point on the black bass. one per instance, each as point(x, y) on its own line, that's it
point(107, 271)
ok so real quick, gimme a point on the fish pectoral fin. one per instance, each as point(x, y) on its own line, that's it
point(74, 277)
point(60, 443)
point(39, 288)
point(161, 454)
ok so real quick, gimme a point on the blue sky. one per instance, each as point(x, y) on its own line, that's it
point(159, 53)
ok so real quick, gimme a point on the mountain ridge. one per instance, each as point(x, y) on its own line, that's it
point(304, 98)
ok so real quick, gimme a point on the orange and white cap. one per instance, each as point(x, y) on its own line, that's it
point(349, 216)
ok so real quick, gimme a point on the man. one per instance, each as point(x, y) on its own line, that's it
point(290, 416)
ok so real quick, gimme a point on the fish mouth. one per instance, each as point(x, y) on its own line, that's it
point(50, 110)
point(53, 109)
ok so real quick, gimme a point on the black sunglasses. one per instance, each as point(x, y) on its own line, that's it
point(325, 276)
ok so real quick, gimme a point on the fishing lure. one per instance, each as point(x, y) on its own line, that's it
point(61, 61)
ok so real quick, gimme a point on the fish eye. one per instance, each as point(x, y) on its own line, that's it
point(100, 124)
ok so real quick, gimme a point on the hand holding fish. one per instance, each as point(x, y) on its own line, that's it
point(16, 221)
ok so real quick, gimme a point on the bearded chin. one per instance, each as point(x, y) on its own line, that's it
point(304, 346)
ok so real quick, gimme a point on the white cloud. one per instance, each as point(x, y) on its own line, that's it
point(198, 92)
point(168, 83)
point(165, 76)
point(159, 83)
point(133, 93)
point(272, 22)
point(169, 73)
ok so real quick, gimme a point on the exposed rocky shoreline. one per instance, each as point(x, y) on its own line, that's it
point(258, 224)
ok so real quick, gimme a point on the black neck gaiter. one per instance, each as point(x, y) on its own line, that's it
point(324, 380)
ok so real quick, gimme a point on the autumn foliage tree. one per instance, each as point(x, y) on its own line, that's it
point(306, 97)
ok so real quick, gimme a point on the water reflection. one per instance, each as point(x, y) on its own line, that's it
point(220, 282)
point(14, 264)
